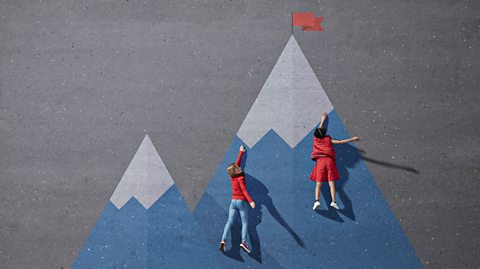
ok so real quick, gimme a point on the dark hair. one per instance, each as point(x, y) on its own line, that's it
point(320, 132)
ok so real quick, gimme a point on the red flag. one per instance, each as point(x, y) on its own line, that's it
point(307, 21)
point(316, 27)
point(303, 19)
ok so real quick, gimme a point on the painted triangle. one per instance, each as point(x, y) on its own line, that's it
point(278, 129)
point(289, 101)
point(146, 177)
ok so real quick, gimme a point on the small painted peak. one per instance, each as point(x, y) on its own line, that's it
point(146, 178)
point(290, 102)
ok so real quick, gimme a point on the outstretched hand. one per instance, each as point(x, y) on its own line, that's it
point(242, 148)
point(324, 115)
point(355, 138)
point(252, 204)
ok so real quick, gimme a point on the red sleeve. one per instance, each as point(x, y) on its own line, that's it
point(239, 158)
point(241, 181)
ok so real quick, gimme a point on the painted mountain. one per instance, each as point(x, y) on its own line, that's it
point(284, 230)
point(146, 223)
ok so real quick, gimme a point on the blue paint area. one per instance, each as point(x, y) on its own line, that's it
point(285, 231)
point(212, 218)
point(118, 240)
point(164, 236)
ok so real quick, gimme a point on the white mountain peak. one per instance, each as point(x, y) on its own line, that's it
point(146, 178)
point(290, 102)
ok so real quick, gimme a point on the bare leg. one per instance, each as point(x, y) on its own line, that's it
point(317, 191)
point(332, 189)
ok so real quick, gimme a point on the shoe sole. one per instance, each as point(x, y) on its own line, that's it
point(337, 208)
point(245, 249)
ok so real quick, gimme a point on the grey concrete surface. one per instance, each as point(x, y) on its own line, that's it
point(81, 82)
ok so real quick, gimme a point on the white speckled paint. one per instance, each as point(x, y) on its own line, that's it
point(146, 178)
point(290, 102)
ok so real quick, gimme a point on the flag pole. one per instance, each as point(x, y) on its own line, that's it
point(291, 15)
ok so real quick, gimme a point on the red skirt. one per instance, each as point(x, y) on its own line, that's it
point(324, 170)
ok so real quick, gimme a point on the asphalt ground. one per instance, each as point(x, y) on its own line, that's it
point(82, 82)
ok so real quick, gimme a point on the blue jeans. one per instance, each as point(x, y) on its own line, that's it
point(242, 207)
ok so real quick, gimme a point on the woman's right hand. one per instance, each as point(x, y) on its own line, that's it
point(242, 148)
point(252, 204)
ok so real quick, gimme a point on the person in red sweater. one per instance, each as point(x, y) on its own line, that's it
point(240, 197)
point(325, 168)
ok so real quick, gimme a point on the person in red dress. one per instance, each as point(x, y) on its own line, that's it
point(240, 201)
point(325, 168)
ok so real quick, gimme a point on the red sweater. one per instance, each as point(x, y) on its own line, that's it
point(322, 146)
point(239, 189)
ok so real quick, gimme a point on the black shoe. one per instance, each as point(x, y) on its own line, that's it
point(244, 246)
point(222, 246)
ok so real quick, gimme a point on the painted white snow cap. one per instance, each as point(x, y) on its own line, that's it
point(146, 178)
point(291, 101)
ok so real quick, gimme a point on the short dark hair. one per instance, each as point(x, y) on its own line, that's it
point(320, 132)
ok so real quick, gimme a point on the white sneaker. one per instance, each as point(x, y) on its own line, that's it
point(316, 205)
point(334, 205)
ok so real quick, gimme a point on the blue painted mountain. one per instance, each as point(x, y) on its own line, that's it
point(285, 231)
point(163, 236)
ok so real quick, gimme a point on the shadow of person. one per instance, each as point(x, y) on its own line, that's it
point(259, 193)
point(211, 217)
point(387, 164)
point(329, 212)
point(347, 157)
